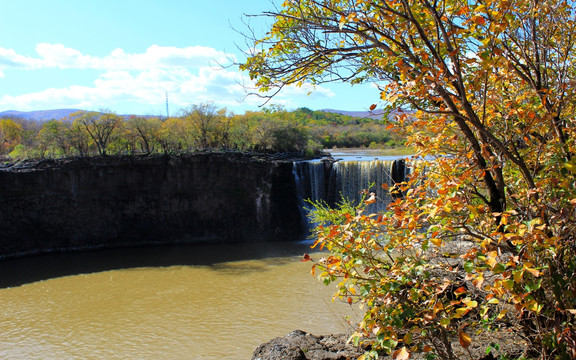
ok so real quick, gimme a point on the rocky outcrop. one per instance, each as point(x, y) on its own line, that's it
point(125, 201)
point(299, 345)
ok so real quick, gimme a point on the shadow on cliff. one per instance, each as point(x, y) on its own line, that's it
point(221, 258)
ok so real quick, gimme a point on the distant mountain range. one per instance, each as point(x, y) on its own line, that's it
point(41, 115)
point(45, 115)
point(376, 114)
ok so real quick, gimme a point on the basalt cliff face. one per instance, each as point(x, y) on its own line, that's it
point(82, 203)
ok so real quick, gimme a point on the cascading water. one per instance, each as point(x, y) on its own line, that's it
point(310, 179)
point(353, 179)
point(331, 181)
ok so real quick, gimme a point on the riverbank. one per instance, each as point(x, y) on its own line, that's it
point(299, 345)
point(504, 341)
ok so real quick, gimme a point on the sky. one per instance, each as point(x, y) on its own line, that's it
point(127, 55)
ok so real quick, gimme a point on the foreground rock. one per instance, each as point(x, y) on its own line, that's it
point(299, 345)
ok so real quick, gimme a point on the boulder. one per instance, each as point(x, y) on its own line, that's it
point(299, 345)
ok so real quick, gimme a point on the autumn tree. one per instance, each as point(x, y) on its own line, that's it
point(100, 126)
point(53, 138)
point(10, 135)
point(491, 87)
point(76, 134)
point(241, 131)
point(175, 135)
point(204, 119)
point(146, 131)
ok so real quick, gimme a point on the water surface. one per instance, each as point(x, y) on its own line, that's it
point(202, 302)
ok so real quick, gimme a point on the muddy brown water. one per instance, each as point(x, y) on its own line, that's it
point(175, 302)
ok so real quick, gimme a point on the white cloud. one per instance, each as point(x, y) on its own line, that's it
point(62, 57)
point(10, 59)
point(59, 56)
point(189, 74)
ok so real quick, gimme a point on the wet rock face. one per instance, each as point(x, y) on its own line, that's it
point(299, 345)
point(124, 201)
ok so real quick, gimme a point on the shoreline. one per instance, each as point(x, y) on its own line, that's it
point(299, 345)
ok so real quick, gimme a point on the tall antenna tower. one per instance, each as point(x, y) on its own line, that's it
point(167, 112)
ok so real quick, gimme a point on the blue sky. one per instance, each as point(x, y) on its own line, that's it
point(124, 55)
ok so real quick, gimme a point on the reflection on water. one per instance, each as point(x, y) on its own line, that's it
point(19, 271)
point(202, 302)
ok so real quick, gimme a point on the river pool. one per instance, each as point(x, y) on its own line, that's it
point(171, 302)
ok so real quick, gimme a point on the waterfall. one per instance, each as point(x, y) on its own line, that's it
point(310, 180)
point(332, 181)
point(351, 179)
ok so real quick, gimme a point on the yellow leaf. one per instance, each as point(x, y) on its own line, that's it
point(436, 241)
point(502, 314)
point(480, 8)
point(534, 306)
point(444, 322)
point(571, 167)
point(472, 304)
point(461, 312)
point(465, 339)
point(401, 354)
point(478, 281)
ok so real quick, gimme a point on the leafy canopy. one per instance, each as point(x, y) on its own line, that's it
point(491, 87)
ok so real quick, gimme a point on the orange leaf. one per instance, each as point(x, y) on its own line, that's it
point(463, 10)
point(306, 258)
point(460, 290)
point(372, 107)
point(534, 272)
point(465, 339)
point(401, 354)
point(479, 20)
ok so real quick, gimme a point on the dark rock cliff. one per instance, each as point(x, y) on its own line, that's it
point(125, 201)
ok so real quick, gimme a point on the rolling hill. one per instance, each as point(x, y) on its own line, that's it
point(42, 115)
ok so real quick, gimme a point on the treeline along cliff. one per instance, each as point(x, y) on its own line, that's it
point(93, 202)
